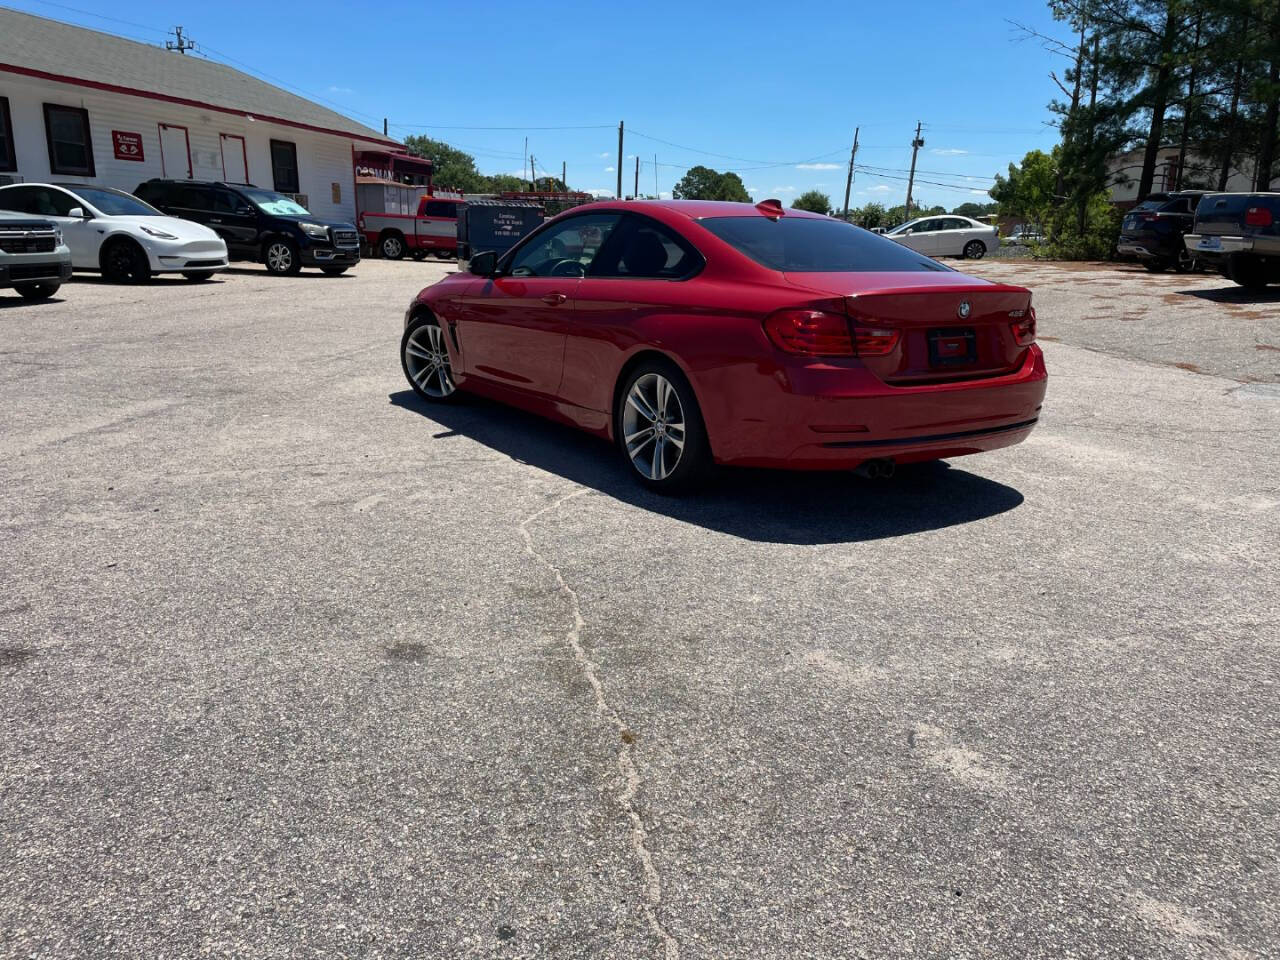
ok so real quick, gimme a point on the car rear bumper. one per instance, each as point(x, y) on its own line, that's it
point(1213, 246)
point(827, 417)
point(1145, 249)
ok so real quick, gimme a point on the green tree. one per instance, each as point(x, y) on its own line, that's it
point(703, 183)
point(1028, 191)
point(453, 167)
point(815, 201)
point(975, 210)
point(872, 215)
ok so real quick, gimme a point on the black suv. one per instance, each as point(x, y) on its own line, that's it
point(1153, 230)
point(259, 225)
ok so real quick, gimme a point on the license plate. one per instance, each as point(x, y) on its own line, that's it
point(951, 346)
point(1209, 243)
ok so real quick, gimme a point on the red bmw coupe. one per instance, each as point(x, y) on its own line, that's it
point(692, 332)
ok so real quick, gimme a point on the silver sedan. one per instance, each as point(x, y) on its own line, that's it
point(947, 236)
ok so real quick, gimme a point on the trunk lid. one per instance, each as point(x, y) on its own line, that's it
point(950, 326)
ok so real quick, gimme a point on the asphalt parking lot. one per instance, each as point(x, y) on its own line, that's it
point(292, 664)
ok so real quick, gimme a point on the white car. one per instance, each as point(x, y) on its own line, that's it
point(116, 233)
point(947, 236)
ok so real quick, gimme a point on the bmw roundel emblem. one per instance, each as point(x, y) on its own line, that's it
point(964, 309)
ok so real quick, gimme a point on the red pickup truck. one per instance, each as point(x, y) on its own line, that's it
point(397, 219)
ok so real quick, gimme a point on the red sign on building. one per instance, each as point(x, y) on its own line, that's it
point(128, 145)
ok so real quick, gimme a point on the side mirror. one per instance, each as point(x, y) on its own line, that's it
point(908, 232)
point(79, 213)
point(484, 264)
point(243, 211)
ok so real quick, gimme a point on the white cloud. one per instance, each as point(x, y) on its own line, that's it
point(333, 89)
point(599, 192)
point(949, 152)
point(880, 188)
point(784, 189)
point(604, 156)
point(610, 170)
point(664, 194)
point(818, 166)
point(980, 193)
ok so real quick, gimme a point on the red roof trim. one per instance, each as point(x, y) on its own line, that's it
point(234, 111)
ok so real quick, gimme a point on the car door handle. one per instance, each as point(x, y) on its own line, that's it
point(214, 220)
point(554, 299)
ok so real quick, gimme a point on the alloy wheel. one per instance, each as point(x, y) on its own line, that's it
point(653, 426)
point(392, 248)
point(427, 361)
point(279, 258)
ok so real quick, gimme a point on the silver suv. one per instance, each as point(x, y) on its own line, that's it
point(34, 259)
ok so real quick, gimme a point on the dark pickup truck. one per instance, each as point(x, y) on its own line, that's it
point(1239, 233)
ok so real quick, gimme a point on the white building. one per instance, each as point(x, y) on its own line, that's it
point(79, 106)
point(1201, 173)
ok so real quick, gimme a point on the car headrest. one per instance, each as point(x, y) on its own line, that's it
point(645, 255)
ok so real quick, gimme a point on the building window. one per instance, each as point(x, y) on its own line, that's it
point(70, 145)
point(284, 166)
point(8, 154)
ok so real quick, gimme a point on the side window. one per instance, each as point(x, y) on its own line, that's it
point(70, 143)
point(194, 198)
point(566, 249)
point(925, 226)
point(224, 201)
point(439, 208)
point(647, 249)
point(18, 199)
point(8, 154)
point(52, 203)
point(284, 166)
point(954, 224)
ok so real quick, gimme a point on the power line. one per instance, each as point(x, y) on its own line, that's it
point(440, 126)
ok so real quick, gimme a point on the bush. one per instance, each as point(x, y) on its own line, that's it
point(1097, 242)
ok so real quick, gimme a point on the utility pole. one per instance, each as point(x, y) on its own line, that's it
point(657, 195)
point(564, 182)
point(533, 177)
point(848, 183)
point(619, 168)
point(635, 195)
point(916, 144)
point(384, 126)
point(525, 158)
point(182, 44)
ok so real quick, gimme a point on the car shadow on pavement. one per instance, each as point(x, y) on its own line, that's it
point(1234, 294)
point(10, 298)
point(768, 506)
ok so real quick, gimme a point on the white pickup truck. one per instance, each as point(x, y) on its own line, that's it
point(34, 259)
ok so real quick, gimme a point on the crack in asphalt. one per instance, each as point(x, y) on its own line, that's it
point(626, 765)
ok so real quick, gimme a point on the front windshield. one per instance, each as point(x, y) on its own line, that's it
point(115, 203)
point(276, 204)
point(904, 226)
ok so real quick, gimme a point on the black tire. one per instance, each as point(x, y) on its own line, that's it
point(1247, 272)
point(422, 343)
point(974, 250)
point(391, 245)
point(419, 255)
point(333, 271)
point(123, 261)
point(1155, 266)
point(281, 257)
point(1185, 262)
point(38, 291)
point(198, 276)
point(647, 460)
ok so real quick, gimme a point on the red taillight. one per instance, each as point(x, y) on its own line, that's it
point(874, 341)
point(813, 333)
point(1258, 217)
point(1024, 329)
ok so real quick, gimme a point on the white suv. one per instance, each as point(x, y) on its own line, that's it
point(116, 233)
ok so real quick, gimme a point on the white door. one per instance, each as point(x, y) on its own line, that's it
point(175, 152)
point(234, 166)
point(924, 238)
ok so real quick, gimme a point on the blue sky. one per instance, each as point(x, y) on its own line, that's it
point(777, 88)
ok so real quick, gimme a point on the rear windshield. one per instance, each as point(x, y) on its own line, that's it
point(803, 245)
point(1151, 203)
